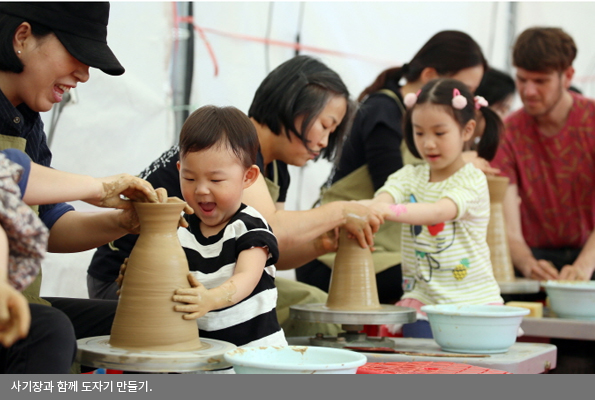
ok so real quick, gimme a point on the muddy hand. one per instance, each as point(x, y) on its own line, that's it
point(196, 299)
point(131, 187)
point(361, 223)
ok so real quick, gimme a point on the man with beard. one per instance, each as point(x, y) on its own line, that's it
point(548, 152)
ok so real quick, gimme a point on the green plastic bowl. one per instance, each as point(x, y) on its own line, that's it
point(575, 300)
point(475, 329)
point(294, 360)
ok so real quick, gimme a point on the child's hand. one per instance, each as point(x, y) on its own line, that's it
point(328, 242)
point(361, 223)
point(198, 299)
point(366, 203)
point(15, 317)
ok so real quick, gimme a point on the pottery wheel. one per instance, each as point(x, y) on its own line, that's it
point(97, 352)
point(352, 322)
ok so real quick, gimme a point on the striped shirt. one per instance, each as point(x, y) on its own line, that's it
point(212, 260)
point(447, 262)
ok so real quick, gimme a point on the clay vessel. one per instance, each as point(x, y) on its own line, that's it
point(145, 318)
point(496, 237)
point(353, 280)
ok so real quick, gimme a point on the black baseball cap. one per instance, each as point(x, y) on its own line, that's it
point(81, 27)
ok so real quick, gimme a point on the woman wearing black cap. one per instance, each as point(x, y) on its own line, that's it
point(375, 147)
point(46, 49)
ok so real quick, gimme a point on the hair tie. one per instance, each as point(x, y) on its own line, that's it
point(480, 102)
point(458, 101)
point(410, 99)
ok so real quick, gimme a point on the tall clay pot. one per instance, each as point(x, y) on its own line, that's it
point(496, 237)
point(145, 318)
point(353, 280)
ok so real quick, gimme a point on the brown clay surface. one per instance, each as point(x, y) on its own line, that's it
point(353, 280)
point(145, 318)
point(496, 236)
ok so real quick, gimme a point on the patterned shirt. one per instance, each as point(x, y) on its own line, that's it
point(555, 176)
point(27, 235)
point(212, 260)
point(447, 262)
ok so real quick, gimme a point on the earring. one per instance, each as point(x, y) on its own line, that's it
point(18, 52)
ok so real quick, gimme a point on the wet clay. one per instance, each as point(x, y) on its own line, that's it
point(496, 237)
point(145, 318)
point(353, 280)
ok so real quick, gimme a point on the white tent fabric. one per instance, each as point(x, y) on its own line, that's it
point(121, 124)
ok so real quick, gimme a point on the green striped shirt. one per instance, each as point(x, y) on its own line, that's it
point(450, 262)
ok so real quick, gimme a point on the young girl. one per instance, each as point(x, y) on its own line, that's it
point(443, 203)
point(230, 247)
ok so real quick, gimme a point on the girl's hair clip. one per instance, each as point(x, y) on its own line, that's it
point(410, 99)
point(480, 102)
point(458, 100)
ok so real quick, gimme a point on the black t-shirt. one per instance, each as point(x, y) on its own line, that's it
point(375, 139)
point(162, 173)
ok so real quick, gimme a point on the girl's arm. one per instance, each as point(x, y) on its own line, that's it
point(200, 300)
point(413, 213)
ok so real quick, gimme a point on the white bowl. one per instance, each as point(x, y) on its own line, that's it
point(570, 299)
point(475, 329)
point(294, 360)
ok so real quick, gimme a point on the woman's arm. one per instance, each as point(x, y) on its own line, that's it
point(48, 186)
point(300, 228)
point(79, 231)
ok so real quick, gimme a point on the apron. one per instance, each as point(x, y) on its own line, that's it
point(273, 185)
point(408, 158)
point(291, 292)
point(32, 291)
point(358, 186)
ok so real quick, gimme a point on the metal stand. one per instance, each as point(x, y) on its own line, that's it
point(97, 352)
point(352, 322)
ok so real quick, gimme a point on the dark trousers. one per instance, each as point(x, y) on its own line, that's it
point(50, 346)
point(388, 282)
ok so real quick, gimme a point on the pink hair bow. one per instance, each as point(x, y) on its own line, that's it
point(458, 100)
point(410, 99)
point(480, 102)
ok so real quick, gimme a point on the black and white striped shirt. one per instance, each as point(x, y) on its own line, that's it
point(212, 260)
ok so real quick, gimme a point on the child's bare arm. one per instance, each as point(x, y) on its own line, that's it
point(200, 300)
point(413, 213)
